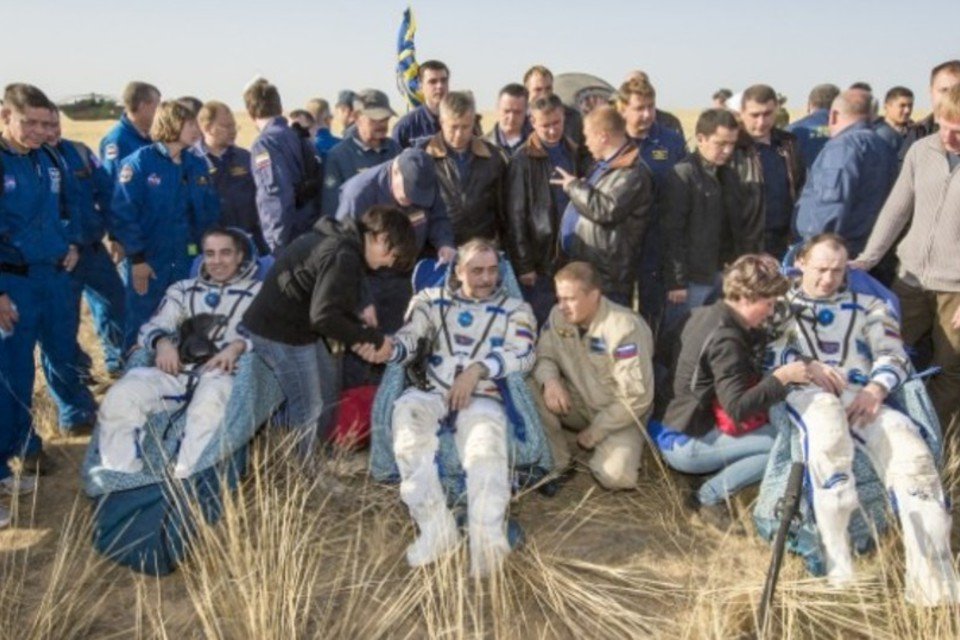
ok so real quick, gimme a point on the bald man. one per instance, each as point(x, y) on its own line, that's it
point(608, 212)
point(850, 178)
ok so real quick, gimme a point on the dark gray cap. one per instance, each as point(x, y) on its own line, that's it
point(373, 104)
point(345, 97)
point(419, 176)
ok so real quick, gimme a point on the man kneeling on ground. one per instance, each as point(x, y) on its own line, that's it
point(201, 375)
point(476, 335)
point(595, 370)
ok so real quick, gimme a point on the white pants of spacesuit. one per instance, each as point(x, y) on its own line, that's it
point(904, 464)
point(146, 390)
point(480, 439)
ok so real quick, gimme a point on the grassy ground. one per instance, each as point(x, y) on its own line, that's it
point(289, 561)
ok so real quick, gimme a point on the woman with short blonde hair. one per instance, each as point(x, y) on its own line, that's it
point(716, 421)
point(170, 121)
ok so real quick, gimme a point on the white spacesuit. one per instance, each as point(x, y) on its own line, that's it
point(145, 390)
point(858, 335)
point(498, 332)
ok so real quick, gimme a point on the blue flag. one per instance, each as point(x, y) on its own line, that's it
point(408, 82)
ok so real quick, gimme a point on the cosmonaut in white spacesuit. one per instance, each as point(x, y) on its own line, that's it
point(475, 334)
point(857, 339)
point(218, 297)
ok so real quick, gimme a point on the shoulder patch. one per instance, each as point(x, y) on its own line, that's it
point(111, 151)
point(262, 160)
point(624, 351)
point(126, 174)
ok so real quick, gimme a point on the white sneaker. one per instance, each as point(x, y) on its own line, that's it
point(5, 517)
point(18, 485)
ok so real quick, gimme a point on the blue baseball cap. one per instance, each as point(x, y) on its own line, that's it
point(419, 176)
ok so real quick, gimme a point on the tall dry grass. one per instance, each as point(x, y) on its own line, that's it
point(289, 560)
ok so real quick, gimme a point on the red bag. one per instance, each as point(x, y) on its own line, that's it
point(728, 425)
point(352, 429)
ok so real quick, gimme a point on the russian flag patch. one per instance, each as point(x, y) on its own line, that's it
point(625, 351)
point(526, 334)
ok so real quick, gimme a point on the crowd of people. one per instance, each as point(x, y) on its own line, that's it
point(652, 296)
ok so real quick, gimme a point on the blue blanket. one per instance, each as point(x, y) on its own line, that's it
point(804, 540)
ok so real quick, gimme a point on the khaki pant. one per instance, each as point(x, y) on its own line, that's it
point(929, 313)
point(615, 462)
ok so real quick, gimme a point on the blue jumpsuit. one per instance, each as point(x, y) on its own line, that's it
point(660, 150)
point(419, 123)
point(122, 140)
point(160, 210)
point(278, 163)
point(95, 276)
point(36, 229)
point(233, 181)
point(812, 133)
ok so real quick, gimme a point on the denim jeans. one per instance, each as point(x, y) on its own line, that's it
point(310, 380)
point(737, 461)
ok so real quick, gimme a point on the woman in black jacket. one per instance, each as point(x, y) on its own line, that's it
point(311, 296)
point(716, 421)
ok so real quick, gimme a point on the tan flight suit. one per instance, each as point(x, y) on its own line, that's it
point(608, 371)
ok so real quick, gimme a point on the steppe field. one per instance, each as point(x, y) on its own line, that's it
point(290, 561)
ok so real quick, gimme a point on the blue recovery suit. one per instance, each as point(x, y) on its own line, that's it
point(122, 140)
point(419, 123)
point(95, 276)
point(279, 164)
point(160, 210)
point(37, 227)
point(812, 133)
point(390, 290)
point(233, 181)
point(847, 186)
point(660, 150)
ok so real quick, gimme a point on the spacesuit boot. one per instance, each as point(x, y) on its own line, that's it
point(833, 508)
point(486, 510)
point(930, 578)
point(438, 534)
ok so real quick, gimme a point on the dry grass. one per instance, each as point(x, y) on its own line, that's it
point(290, 561)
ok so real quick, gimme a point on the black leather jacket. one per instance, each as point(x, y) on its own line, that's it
point(746, 162)
point(718, 359)
point(614, 213)
point(703, 223)
point(476, 209)
point(532, 215)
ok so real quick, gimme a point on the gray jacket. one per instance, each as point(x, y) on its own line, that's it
point(926, 196)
